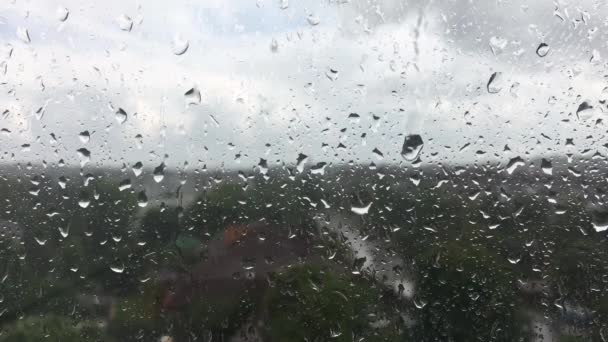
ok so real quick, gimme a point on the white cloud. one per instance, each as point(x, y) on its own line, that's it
point(411, 66)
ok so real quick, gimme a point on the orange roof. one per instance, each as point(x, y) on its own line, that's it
point(235, 232)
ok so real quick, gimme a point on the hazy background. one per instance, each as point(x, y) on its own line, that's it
point(419, 67)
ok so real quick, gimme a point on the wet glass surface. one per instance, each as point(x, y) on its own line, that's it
point(281, 170)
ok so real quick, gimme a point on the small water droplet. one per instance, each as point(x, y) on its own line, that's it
point(137, 168)
point(39, 113)
point(334, 333)
point(584, 110)
point(124, 185)
point(313, 20)
point(302, 158)
point(85, 156)
point(318, 169)
point(412, 146)
point(118, 268)
point(84, 199)
point(124, 22)
point(419, 303)
point(514, 163)
point(84, 136)
point(142, 199)
point(283, 4)
point(62, 13)
point(64, 232)
point(415, 179)
point(378, 153)
point(193, 96)
point(361, 210)
point(62, 182)
point(34, 191)
point(180, 45)
point(274, 45)
point(139, 141)
point(497, 45)
point(120, 116)
point(599, 220)
point(514, 89)
point(40, 241)
point(23, 35)
point(494, 85)
point(514, 260)
point(159, 173)
point(546, 166)
point(542, 50)
point(332, 74)
point(263, 166)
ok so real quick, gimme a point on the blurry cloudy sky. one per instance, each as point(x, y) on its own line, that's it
point(405, 67)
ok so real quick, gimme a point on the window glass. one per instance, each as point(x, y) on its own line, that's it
point(320, 170)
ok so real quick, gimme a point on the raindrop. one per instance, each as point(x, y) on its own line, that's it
point(118, 269)
point(514, 163)
point(159, 173)
point(332, 74)
point(62, 182)
point(180, 45)
point(39, 113)
point(140, 141)
point(354, 117)
point(137, 168)
point(193, 96)
point(124, 22)
point(378, 153)
point(313, 20)
point(62, 13)
point(595, 56)
point(124, 185)
point(283, 4)
point(599, 221)
point(412, 146)
point(64, 232)
point(142, 199)
point(361, 210)
point(494, 85)
point(542, 50)
point(333, 333)
point(584, 108)
point(34, 191)
point(84, 137)
point(514, 89)
point(302, 158)
point(84, 199)
point(23, 35)
point(120, 116)
point(40, 241)
point(263, 166)
point(497, 45)
point(415, 179)
point(419, 303)
point(318, 169)
point(85, 156)
point(274, 45)
point(546, 166)
point(514, 260)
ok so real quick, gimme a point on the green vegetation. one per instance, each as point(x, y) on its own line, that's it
point(470, 249)
point(314, 302)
